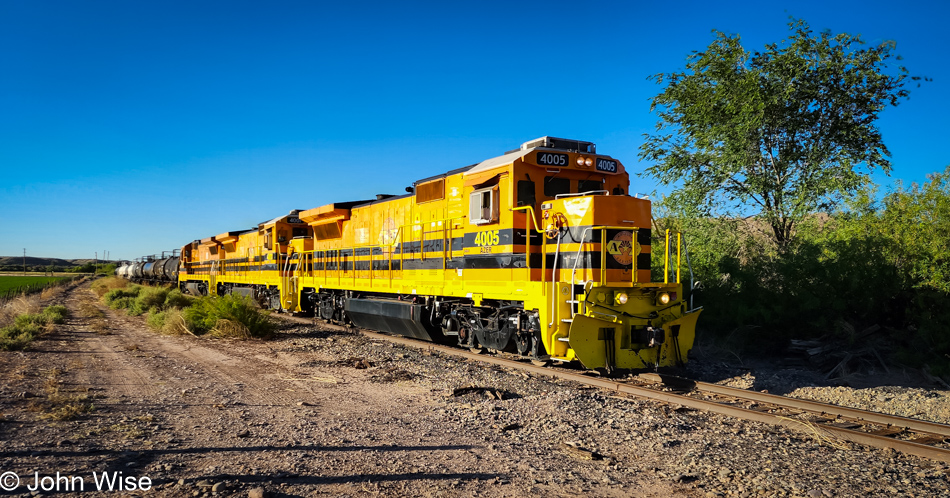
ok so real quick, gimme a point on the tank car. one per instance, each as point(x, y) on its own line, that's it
point(151, 270)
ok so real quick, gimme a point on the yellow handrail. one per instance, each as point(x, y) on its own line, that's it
point(679, 248)
point(666, 259)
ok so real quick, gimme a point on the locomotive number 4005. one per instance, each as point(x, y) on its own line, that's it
point(488, 238)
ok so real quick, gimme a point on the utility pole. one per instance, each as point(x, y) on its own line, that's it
point(95, 268)
point(24, 261)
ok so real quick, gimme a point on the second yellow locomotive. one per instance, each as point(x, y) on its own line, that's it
point(539, 251)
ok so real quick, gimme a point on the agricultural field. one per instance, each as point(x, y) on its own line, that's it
point(10, 282)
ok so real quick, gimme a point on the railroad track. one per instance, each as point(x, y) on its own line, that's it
point(827, 422)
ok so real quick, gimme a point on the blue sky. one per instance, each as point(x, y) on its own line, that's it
point(135, 127)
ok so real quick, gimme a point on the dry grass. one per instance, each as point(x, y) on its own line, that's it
point(104, 285)
point(129, 431)
point(225, 328)
point(173, 323)
point(52, 292)
point(22, 305)
point(97, 319)
point(89, 310)
point(18, 372)
point(58, 405)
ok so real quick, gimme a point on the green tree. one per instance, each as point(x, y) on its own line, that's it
point(780, 133)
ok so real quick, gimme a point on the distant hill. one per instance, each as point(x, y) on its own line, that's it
point(15, 263)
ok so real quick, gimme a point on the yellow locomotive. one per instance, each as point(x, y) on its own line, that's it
point(539, 251)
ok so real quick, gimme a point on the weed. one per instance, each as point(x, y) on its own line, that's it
point(224, 328)
point(89, 310)
point(174, 323)
point(102, 286)
point(22, 305)
point(27, 327)
point(155, 320)
point(97, 322)
point(205, 314)
point(60, 406)
point(129, 431)
point(68, 407)
point(51, 292)
point(152, 297)
point(177, 300)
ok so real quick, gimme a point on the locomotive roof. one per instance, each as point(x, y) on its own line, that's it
point(555, 145)
point(376, 201)
point(293, 212)
point(494, 162)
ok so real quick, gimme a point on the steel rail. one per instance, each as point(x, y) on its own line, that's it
point(909, 447)
point(802, 404)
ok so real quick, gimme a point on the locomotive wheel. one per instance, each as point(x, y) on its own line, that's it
point(523, 343)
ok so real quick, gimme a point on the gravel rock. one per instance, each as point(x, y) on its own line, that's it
point(385, 420)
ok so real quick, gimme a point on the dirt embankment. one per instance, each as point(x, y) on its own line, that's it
point(321, 410)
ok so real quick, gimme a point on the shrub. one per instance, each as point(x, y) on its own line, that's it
point(104, 285)
point(55, 314)
point(155, 320)
point(873, 263)
point(29, 326)
point(124, 295)
point(177, 300)
point(152, 297)
point(228, 316)
point(136, 308)
point(174, 323)
point(120, 303)
point(18, 336)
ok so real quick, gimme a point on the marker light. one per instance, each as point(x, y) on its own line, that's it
point(588, 162)
point(663, 298)
point(621, 298)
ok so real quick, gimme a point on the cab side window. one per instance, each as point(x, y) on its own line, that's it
point(483, 206)
point(526, 193)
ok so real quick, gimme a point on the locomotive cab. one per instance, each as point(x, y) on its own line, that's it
point(616, 317)
point(594, 261)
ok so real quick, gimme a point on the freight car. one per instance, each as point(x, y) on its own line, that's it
point(151, 269)
point(540, 251)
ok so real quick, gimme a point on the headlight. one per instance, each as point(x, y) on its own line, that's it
point(588, 162)
point(621, 298)
point(663, 298)
point(580, 160)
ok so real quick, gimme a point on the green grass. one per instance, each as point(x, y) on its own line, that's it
point(228, 316)
point(10, 282)
point(171, 312)
point(27, 327)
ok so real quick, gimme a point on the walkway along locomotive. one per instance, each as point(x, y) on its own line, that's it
point(539, 251)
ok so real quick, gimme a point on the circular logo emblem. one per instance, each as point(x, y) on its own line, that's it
point(388, 232)
point(623, 248)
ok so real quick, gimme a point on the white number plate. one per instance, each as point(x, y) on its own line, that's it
point(606, 165)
